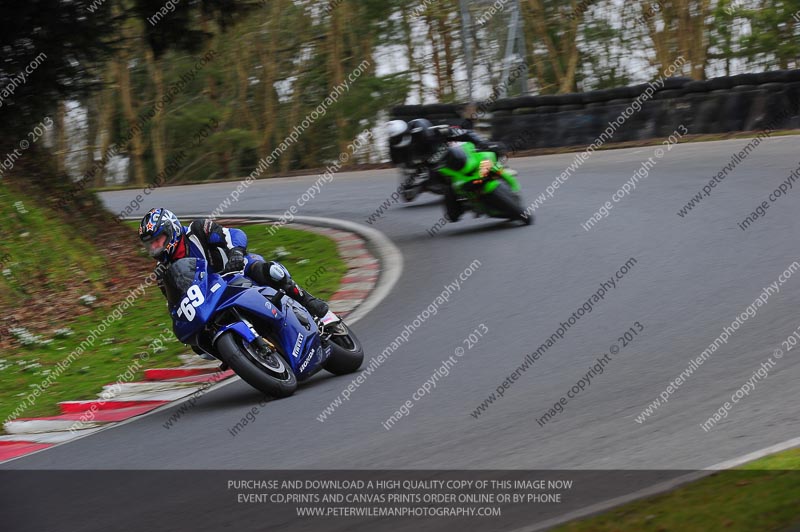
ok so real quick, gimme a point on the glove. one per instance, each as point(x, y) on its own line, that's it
point(486, 167)
point(499, 148)
point(235, 260)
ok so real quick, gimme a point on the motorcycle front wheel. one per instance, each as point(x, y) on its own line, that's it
point(268, 372)
point(506, 204)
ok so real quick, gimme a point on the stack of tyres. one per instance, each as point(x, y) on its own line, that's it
point(573, 126)
point(700, 116)
point(773, 107)
point(547, 123)
point(744, 102)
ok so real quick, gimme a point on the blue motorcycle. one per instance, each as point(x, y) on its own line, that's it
point(264, 336)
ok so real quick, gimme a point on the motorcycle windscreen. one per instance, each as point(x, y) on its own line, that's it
point(179, 277)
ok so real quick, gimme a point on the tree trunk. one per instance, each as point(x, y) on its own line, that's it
point(408, 41)
point(269, 61)
point(247, 119)
point(335, 38)
point(559, 57)
point(106, 114)
point(61, 138)
point(570, 52)
point(136, 144)
point(447, 41)
point(680, 29)
point(92, 104)
point(437, 66)
point(157, 135)
point(211, 83)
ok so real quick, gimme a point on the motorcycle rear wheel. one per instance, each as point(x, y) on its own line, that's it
point(347, 354)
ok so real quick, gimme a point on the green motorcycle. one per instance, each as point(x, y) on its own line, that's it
point(496, 194)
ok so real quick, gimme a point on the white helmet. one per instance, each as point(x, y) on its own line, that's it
point(399, 134)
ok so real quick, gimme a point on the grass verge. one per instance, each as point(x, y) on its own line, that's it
point(762, 495)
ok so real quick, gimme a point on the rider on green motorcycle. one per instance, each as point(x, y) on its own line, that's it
point(420, 142)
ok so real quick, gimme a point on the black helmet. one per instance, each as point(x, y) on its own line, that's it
point(424, 140)
point(421, 131)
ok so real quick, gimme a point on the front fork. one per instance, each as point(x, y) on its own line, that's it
point(509, 176)
point(492, 181)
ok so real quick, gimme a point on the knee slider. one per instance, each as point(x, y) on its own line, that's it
point(277, 273)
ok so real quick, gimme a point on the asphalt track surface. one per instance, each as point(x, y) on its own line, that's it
point(692, 277)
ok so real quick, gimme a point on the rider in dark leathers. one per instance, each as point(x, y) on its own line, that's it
point(420, 142)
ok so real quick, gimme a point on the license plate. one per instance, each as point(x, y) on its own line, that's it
point(329, 318)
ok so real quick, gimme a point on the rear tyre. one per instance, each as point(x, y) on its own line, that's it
point(410, 189)
point(268, 373)
point(347, 354)
point(410, 194)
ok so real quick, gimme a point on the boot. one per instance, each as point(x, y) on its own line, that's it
point(315, 306)
point(453, 207)
point(272, 274)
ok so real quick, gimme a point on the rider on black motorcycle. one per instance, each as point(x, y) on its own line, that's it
point(223, 249)
point(419, 142)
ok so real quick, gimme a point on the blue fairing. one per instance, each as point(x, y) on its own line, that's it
point(209, 294)
point(240, 328)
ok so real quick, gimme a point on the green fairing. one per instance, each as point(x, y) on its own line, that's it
point(512, 181)
point(484, 195)
point(471, 170)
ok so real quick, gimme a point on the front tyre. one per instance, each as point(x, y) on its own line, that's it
point(266, 372)
point(347, 354)
point(526, 218)
point(507, 204)
point(409, 189)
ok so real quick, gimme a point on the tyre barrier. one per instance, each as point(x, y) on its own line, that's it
point(744, 102)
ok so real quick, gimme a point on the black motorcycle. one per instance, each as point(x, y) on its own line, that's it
point(419, 179)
